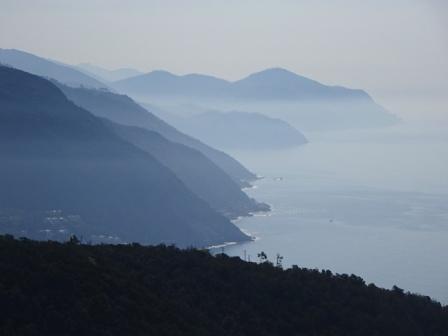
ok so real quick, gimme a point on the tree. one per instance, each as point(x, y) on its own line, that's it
point(74, 240)
point(262, 257)
point(279, 260)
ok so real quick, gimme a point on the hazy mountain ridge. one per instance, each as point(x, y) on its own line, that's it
point(123, 110)
point(106, 75)
point(281, 84)
point(276, 92)
point(269, 84)
point(240, 130)
point(58, 157)
point(164, 83)
point(195, 170)
point(47, 68)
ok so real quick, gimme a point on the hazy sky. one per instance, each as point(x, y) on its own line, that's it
point(396, 50)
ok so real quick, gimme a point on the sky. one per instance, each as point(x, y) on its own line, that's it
point(396, 50)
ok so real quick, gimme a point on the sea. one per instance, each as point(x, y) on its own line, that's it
point(372, 203)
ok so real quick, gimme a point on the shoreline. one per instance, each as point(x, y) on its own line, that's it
point(252, 237)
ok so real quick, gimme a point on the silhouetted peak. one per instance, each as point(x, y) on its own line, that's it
point(160, 73)
point(276, 71)
point(277, 76)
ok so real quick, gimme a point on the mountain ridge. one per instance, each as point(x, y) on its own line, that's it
point(236, 130)
point(269, 75)
point(193, 168)
point(106, 75)
point(306, 103)
point(43, 67)
point(123, 110)
point(58, 157)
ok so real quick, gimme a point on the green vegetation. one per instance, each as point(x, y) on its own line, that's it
point(50, 288)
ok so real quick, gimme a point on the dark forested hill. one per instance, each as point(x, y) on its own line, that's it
point(63, 171)
point(123, 110)
point(49, 288)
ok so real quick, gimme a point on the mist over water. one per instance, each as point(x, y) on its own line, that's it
point(372, 203)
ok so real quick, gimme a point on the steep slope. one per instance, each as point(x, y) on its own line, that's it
point(63, 171)
point(47, 68)
point(47, 288)
point(240, 130)
point(197, 172)
point(123, 110)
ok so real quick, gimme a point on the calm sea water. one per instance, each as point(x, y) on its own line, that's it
point(371, 203)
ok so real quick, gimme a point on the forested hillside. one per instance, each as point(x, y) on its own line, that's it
point(49, 288)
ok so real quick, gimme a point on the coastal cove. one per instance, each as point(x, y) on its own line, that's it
point(348, 204)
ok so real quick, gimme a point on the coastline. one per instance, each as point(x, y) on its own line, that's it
point(251, 237)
